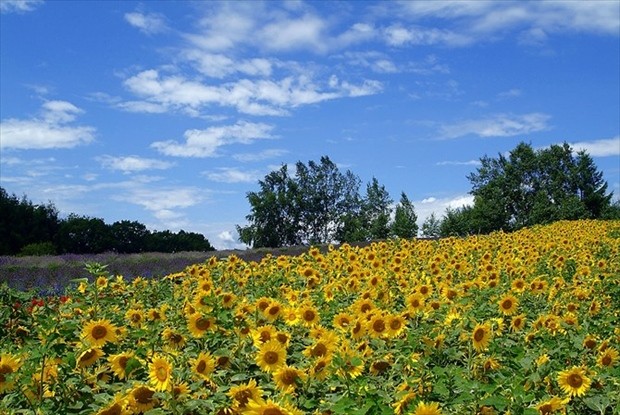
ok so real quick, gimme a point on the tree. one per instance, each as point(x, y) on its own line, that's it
point(431, 227)
point(83, 235)
point(275, 217)
point(536, 186)
point(377, 211)
point(405, 218)
point(128, 237)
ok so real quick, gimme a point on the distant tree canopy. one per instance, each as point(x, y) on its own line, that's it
point(28, 229)
point(530, 187)
point(321, 204)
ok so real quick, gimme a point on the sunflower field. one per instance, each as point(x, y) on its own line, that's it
point(518, 323)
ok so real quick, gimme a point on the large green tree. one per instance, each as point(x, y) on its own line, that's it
point(405, 219)
point(531, 186)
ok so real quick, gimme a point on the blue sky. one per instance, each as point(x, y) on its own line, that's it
point(169, 112)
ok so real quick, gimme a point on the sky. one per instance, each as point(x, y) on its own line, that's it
point(168, 113)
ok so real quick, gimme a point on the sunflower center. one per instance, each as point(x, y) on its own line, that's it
point(309, 315)
point(122, 362)
point(380, 366)
point(176, 338)
point(282, 338)
point(365, 308)
point(606, 360)
point(274, 310)
point(415, 303)
point(89, 354)
point(271, 357)
point(202, 365)
point(357, 328)
point(265, 336)
point(161, 373)
point(289, 377)
point(319, 350)
point(203, 324)
point(143, 395)
point(479, 334)
point(99, 332)
point(272, 411)
point(243, 397)
point(395, 324)
point(546, 409)
point(378, 326)
point(575, 380)
point(507, 304)
point(135, 317)
point(590, 343)
point(113, 410)
point(5, 370)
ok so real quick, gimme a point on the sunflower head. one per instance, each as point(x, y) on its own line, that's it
point(271, 356)
point(8, 366)
point(160, 373)
point(481, 336)
point(574, 381)
point(97, 333)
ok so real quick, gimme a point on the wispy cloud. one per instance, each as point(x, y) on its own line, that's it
point(458, 163)
point(233, 175)
point(511, 93)
point(150, 23)
point(599, 148)
point(205, 143)
point(19, 6)
point(499, 125)
point(130, 164)
point(51, 129)
point(261, 155)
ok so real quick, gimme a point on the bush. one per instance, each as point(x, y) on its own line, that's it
point(38, 249)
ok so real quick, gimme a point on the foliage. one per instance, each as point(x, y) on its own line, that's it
point(520, 323)
point(318, 205)
point(405, 219)
point(431, 228)
point(27, 229)
point(531, 187)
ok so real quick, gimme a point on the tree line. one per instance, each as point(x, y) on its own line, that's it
point(29, 229)
point(320, 204)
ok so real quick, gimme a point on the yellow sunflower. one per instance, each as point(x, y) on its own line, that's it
point(135, 316)
point(415, 303)
point(97, 333)
point(508, 304)
point(242, 394)
point(431, 408)
point(395, 325)
point(608, 357)
point(481, 336)
point(574, 381)
point(271, 356)
point(273, 311)
point(141, 398)
point(173, 339)
point(377, 326)
point(198, 324)
point(89, 357)
point(160, 373)
point(204, 365)
point(321, 368)
point(263, 334)
point(287, 377)
point(308, 315)
point(517, 323)
point(551, 405)
point(116, 407)
point(343, 321)
point(8, 365)
point(180, 390)
point(118, 363)
point(269, 407)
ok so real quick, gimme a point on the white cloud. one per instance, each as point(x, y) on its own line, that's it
point(499, 125)
point(48, 131)
point(218, 65)
point(150, 23)
point(458, 163)
point(397, 35)
point(425, 207)
point(129, 164)
point(511, 93)
point(259, 156)
point(19, 6)
point(233, 175)
point(204, 143)
point(294, 33)
point(254, 97)
point(599, 148)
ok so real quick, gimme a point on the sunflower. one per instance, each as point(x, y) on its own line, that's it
point(358, 330)
point(308, 315)
point(8, 365)
point(481, 336)
point(269, 407)
point(551, 405)
point(228, 299)
point(204, 365)
point(135, 316)
point(118, 363)
point(141, 398)
point(287, 377)
point(343, 321)
point(377, 326)
point(351, 364)
point(508, 304)
point(517, 323)
point(608, 357)
point(427, 409)
point(160, 373)
point(179, 390)
point(263, 334)
point(116, 407)
point(242, 394)
point(97, 333)
point(173, 339)
point(574, 381)
point(89, 357)
point(198, 324)
point(319, 349)
point(415, 303)
point(320, 368)
point(395, 325)
point(271, 356)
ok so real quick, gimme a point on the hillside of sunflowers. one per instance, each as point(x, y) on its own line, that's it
point(506, 323)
